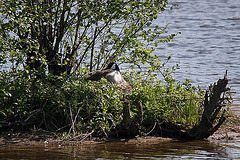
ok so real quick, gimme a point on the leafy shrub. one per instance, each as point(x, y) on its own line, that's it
point(172, 102)
point(26, 100)
point(78, 106)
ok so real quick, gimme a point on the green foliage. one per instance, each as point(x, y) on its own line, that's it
point(26, 101)
point(47, 44)
point(81, 106)
point(172, 102)
point(65, 36)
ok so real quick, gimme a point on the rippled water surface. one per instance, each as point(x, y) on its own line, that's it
point(209, 43)
point(156, 149)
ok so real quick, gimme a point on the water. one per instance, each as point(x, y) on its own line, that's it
point(209, 44)
point(155, 149)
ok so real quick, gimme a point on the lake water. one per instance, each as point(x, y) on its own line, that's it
point(209, 44)
point(156, 149)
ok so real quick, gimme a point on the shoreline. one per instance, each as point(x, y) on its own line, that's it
point(230, 130)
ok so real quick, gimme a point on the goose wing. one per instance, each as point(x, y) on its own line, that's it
point(95, 76)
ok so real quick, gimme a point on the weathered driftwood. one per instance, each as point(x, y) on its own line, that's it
point(212, 106)
point(210, 121)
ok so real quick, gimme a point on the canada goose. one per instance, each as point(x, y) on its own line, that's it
point(113, 75)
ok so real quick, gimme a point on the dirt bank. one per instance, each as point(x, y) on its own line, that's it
point(228, 131)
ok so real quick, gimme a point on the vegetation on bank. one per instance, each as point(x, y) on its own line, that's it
point(49, 46)
point(79, 106)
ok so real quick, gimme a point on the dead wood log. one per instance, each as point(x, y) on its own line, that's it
point(210, 121)
point(212, 106)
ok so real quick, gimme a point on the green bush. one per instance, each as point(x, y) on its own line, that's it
point(78, 106)
point(172, 102)
point(58, 38)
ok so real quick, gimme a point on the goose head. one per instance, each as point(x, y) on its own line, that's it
point(112, 66)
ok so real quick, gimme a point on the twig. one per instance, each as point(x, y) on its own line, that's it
point(73, 122)
point(86, 135)
point(151, 129)
point(72, 127)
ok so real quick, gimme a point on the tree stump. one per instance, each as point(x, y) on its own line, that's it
point(212, 106)
point(210, 121)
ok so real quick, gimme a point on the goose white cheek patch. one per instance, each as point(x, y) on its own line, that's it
point(114, 77)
